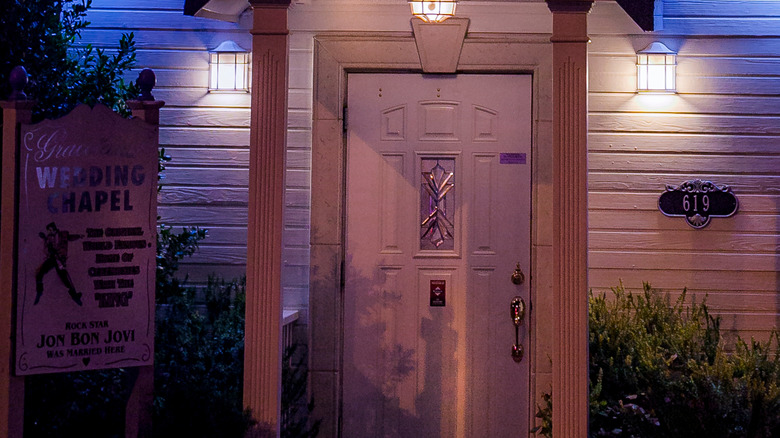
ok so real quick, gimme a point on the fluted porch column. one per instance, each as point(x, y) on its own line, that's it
point(570, 213)
point(263, 347)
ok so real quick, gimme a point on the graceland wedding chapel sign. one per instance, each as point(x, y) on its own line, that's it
point(86, 242)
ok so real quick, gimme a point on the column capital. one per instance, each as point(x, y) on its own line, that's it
point(269, 3)
point(570, 6)
point(269, 17)
point(146, 110)
point(570, 22)
point(18, 105)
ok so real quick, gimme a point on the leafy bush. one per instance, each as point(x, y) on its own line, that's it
point(60, 405)
point(199, 363)
point(659, 369)
point(171, 249)
point(41, 35)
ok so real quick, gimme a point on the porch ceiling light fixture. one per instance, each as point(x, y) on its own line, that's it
point(228, 68)
point(656, 69)
point(433, 11)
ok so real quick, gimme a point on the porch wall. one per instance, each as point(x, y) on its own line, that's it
point(207, 135)
point(723, 125)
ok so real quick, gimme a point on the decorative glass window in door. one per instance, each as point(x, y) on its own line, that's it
point(437, 204)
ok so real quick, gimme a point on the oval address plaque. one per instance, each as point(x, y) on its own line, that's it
point(698, 201)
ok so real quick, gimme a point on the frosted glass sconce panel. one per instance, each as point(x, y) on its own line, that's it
point(229, 68)
point(656, 69)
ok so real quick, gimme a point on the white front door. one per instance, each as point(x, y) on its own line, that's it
point(438, 218)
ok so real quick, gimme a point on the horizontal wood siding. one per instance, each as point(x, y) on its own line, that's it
point(207, 135)
point(723, 125)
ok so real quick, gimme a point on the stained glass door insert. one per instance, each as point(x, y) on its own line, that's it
point(437, 204)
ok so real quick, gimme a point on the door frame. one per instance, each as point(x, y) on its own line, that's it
point(335, 56)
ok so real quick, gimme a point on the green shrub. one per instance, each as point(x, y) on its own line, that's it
point(199, 363)
point(42, 36)
point(171, 249)
point(659, 369)
point(61, 405)
point(199, 366)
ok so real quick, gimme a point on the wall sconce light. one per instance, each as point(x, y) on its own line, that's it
point(229, 68)
point(656, 69)
point(433, 11)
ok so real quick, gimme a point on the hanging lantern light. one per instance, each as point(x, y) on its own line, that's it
point(229, 68)
point(434, 11)
point(656, 69)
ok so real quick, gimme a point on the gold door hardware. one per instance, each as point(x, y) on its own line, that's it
point(518, 277)
point(517, 308)
point(517, 353)
point(518, 311)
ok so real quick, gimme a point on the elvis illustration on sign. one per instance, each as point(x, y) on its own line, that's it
point(55, 247)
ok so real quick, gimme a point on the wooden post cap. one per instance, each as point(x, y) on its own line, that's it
point(18, 80)
point(146, 81)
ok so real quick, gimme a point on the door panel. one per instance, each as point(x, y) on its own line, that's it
point(438, 212)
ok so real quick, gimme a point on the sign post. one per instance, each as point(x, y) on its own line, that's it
point(15, 113)
point(138, 415)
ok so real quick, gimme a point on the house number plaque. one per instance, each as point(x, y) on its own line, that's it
point(698, 201)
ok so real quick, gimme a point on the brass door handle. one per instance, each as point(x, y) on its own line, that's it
point(517, 308)
point(518, 311)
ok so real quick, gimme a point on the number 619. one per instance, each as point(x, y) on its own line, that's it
point(705, 201)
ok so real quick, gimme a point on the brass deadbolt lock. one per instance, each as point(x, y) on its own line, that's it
point(518, 277)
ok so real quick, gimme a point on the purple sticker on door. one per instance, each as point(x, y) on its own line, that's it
point(511, 158)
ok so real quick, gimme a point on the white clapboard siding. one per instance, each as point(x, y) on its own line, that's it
point(722, 8)
point(722, 125)
point(700, 104)
point(624, 46)
point(207, 134)
point(703, 143)
point(195, 97)
point(717, 283)
point(612, 179)
point(625, 81)
point(683, 240)
point(625, 200)
point(599, 219)
point(163, 38)
point(723, 17)
point(686, 162)
point(212, 196)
